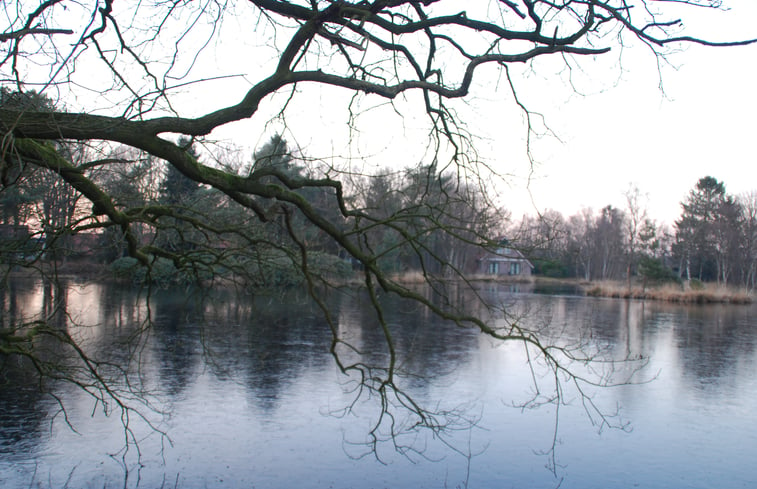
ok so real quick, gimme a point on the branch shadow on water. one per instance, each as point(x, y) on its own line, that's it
point(393, 403)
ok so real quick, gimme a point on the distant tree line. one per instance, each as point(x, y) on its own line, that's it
point(422, 219)
point(417, 219)
point(714, 239)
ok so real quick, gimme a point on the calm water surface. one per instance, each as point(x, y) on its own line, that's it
point(248, 395)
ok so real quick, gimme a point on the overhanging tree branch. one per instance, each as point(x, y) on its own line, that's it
point(7, 36)
point(383, 49)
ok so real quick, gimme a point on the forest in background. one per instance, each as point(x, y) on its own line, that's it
point(713, 240)
point(423, 219)
point(42, 217)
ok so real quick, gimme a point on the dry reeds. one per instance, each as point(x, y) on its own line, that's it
point(419, 278)
point(709, 294)
point(409, 278)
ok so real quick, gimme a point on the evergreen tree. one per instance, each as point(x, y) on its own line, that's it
point(701, 231)
point(180, 193)
point(275, 158)
point(16, 193)
point(176, 188)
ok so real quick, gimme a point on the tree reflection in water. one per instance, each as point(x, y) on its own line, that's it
point(143, 353)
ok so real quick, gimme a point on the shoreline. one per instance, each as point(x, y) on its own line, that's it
point(707, 294)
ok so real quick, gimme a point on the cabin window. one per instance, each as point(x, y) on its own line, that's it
point(515, 268)
point(493, 268)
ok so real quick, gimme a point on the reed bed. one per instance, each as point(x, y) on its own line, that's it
point(419, 278)
point(708, 294)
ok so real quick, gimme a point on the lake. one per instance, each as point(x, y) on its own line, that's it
point(242, 391)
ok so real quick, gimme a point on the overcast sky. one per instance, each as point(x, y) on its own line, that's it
point(703, 124)
point(614, 127)
point(620, 128)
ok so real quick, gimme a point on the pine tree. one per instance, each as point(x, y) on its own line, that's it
point(700, 236)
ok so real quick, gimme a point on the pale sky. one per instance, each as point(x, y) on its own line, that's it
point(703, 124)
point(619, 129)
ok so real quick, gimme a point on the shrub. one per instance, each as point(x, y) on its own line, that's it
point(695, 284)
point(654, 271)
point(275, 268)
point(161, 272)
point(550, 268)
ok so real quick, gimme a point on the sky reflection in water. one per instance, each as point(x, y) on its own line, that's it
point(253, 399)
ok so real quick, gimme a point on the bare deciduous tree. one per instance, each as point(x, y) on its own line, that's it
point(636, 216)
point(139, 74)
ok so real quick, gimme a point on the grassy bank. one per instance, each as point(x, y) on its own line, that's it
point(704, 294)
